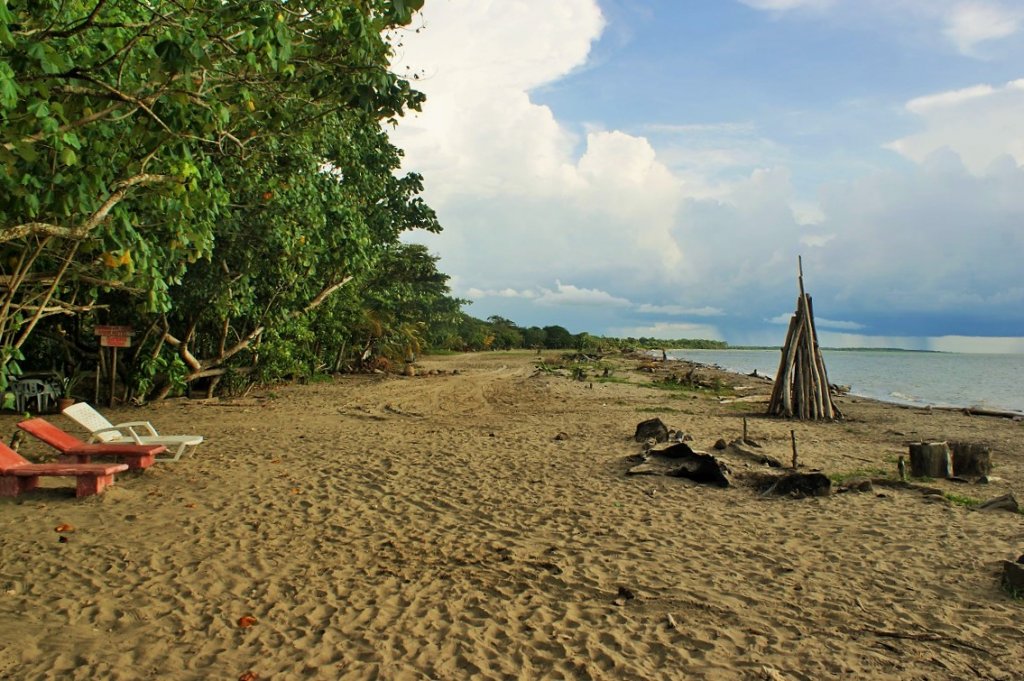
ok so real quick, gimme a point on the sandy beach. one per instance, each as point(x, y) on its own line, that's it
point(476, 521)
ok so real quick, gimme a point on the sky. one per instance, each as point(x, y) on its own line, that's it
point(655, 168)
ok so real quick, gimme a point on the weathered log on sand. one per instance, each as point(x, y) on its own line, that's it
point(702, 468)
point(981, 411)
point(930, 460)
point(1007, 502)
point(971, 459)
point(800, 485)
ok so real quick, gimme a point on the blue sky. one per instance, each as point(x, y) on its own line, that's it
point(655, 168)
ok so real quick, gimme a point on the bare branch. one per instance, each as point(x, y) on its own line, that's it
point(121, 190)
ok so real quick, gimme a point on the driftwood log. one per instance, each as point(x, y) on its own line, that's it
point(800, 485)
point(1007, 502)
point(702, 468)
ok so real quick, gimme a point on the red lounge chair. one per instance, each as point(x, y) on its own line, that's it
point(17, 475)
point(74, 450)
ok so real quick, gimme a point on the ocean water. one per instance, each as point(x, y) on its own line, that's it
point(942, 379)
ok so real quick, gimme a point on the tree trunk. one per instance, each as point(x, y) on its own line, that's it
point(971, 459)
point(930, 460)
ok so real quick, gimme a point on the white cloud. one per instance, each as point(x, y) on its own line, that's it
point(966, 24)
point(823, 323)
point(819, 322)
point(784, 5)
point(476, 293)
point(679, 311)
point(980, 124)
point(567, 294)
point(707, 215)
point(971, 23)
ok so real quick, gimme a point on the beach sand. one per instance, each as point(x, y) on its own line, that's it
point(434, 527)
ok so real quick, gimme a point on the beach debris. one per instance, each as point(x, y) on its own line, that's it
point(679, 461)
point(737, 448)
point(931, 460)
point(971, 459)
point(1007, 502)
point(62, 539)
point(562, 436)
point(249, 676)
point(651, 428)
point(799, 485)
point(1013, 576)
point(801, 388)
point(950, 460)
point(623, 595)
point(646, 469)
point(856, 485)
point(64, 527)
point(679, 436)
point(670, 621)
point(901, 466)
point(246, 621)
point(699, 467)
point(720, 443)
point(986, 479)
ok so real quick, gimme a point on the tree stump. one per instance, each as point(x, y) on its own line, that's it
point(651, 428)
point(930, 460)
point(971, 459)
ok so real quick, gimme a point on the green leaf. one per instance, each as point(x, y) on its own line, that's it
point(68, 157)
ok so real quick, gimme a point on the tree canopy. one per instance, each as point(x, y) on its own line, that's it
point(206, 170)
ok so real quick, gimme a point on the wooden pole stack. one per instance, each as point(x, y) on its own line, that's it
point(801, 387)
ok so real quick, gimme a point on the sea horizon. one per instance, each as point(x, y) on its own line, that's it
point(899, 376)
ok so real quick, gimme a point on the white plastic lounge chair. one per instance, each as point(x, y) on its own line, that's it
point(132, 432)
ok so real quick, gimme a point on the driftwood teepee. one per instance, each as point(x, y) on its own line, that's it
point(801, 384)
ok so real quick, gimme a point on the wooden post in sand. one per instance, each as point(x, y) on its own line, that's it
point(930, 460)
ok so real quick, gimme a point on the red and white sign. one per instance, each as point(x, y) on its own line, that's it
point(116, 341)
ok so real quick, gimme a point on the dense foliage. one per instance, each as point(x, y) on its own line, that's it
point(217, 175)
point(213, 174)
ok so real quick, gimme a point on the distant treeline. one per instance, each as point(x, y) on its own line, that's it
point(498, 333)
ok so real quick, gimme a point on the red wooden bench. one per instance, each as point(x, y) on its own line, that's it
point(74, 450)
point(18, 475)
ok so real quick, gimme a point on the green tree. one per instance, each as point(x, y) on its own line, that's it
point(127, 131)
point(557, 337)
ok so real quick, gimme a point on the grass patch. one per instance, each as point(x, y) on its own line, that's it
point(962, 500)
point(658, 410)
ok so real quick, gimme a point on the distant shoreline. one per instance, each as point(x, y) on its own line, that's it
point(775, 347)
